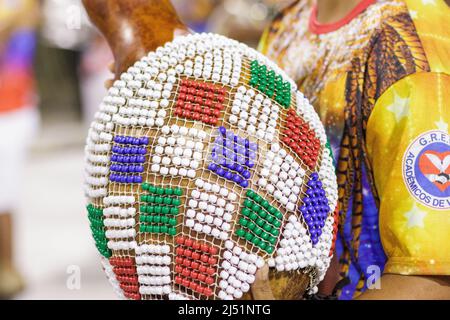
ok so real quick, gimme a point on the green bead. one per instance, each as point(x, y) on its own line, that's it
point(256, 241)
point(172, 231)
point(167, 201)
point(151, 199)
point(277, 223)
point(278, 215)
point(249, 236)
point(251, 225)
point(178, 191)
point(156, 229)
point(243, 222)
point(240, 232)
point(157, 219)
point(143, 198)
point(173, 222)
point(157, 209)
point(160, 191)
point(143, 209)
point(152, 189)
point(257, 198)
point(174, 211)
point(150, 209)
point(246, 212)
point(248, 203)
point(260, 222)
point(272, 210)
point(267, 227)
point(145, 186)
point(164, 229)
point(168, 191)
point(263, 245)
point(269, 249)
point(265, 204)
point(149, 229)
point(256, 208)
point(275, 232)
point(272, 240)
point(158, 200)
point(165, 210)
point(262, 214)
point(258, 231)
point(250, 194)
point(253, 216)
point(176, 202)
point(165, 219)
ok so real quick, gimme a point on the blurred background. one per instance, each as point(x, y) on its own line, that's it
point(53, 65)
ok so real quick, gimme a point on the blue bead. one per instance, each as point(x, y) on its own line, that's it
point(246, 174)
point(137, 179)
point(133, 159)
point(129, 179)
point(139, 168)
point(239, 168)
point(244, 184)
point(114, 157)
point(228, 175)
point(136, 141)
point(212, 167)
point(120, 159)
point(123, 179)
point(220, 171)
point(237, 178)
point(222, 130)
point(140, 159)
point(314, 176)
point(144, 140)
point(253, 146)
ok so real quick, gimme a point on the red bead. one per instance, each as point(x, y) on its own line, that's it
point(195, 245)
point(204, 248)
point(186, 272)
point(207, 292)
point(187, 253)
point(178, 279)
point(180, 251)
point(186, 282)
point(212, 260)
point(178, 260)
point(202, 268)
point(188, 243)
point(186, 262)
point(178, 268)
point(213, 250)
point(193, 285)
point(204, 258)
point(195, 255)
point(201, 277)
point(194, 274)
point(200, 289)
point(209, 280)
point(210, 271)
point(195, 265)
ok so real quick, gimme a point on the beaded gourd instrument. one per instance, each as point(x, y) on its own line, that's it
point(204, 163)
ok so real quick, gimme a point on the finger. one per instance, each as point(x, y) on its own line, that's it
point(109, 83)
point(112, 67)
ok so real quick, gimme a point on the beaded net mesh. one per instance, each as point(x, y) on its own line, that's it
point(204, 163)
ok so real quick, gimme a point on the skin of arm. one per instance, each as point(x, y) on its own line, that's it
point(399, 287)
point(261, 289)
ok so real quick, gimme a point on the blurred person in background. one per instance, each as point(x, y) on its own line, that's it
point(18, 122)
point(378, 73)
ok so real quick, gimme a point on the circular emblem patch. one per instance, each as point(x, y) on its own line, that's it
point(426, 169)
